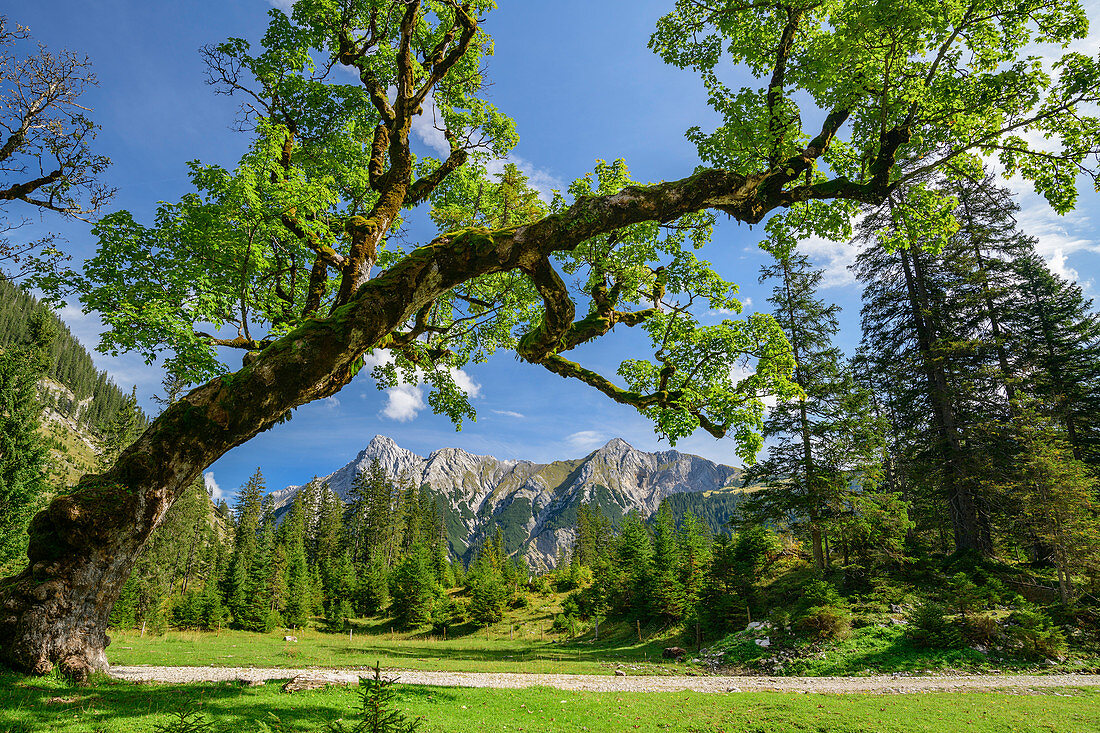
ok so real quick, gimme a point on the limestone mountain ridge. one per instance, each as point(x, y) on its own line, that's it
point(535, 504)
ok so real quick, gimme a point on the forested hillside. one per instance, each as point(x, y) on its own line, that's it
point(83, 409)
point(94, 398)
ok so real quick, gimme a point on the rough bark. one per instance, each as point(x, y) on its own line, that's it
point(962, 505)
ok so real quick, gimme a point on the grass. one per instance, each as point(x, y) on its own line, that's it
point(30, 704)
point(526, 652)
point(522, 642)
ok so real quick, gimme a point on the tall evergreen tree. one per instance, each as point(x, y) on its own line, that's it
point(239, 581)
point(23, 453)
point(293, 540)
point(1057, 339)
point(827, 440)
point(668, 589)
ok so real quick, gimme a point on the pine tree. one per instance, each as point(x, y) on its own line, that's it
point(668, 589)
point(826, 440)
point(249, 512)
point(23, 453)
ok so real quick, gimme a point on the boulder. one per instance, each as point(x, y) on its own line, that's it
point(674, 652)
point(315, 682)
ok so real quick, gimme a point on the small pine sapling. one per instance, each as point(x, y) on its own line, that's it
point(377, 710)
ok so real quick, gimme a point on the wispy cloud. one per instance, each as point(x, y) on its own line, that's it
point(1058, 236)
point(285, 5)
point(586, 439)
point(510, 413)
point(427, 128)
point(836, 258)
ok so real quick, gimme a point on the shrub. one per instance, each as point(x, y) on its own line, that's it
point(824, 623)
point(821, 613)
point(1034, 635)
point(571, 606)
point(541, 585)
point(563, 623)
point(448, 612)
point(981, 628)
point(929, 627)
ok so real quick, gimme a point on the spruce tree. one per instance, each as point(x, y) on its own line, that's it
point(1057, 498)
point(695, 554)
point(23, 453)
point(827, 439)
point(239, 583)
point(634, 566)
point(1057, 339)
point(292, 538)
point(414, 588)
point(668, 589)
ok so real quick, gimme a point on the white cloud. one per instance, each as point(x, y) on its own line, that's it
point(212, 488)
point(739, 372)
point(426, 127)
point(746, 302)
point(285, 5)
point(542, 181)
point(836, 258)
point(331, 403)
point(405, 401)
point(586, 439)
point(466, 383)
point(1058, 236)
point(510, 413)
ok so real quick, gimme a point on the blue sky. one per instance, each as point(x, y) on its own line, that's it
point(578, 79)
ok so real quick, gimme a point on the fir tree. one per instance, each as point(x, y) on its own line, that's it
point(828, 438)
point(292, 539)
point(239, 583)
point(415, 591)
point(668, 589)
point(23, 453)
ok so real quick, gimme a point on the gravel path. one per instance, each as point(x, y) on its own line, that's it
point(599, 683)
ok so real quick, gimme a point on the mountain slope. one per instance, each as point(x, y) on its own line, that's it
point(535, 504)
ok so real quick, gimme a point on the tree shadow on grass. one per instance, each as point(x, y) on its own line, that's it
point(121, 706)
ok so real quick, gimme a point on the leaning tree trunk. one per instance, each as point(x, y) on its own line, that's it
point(83, 545)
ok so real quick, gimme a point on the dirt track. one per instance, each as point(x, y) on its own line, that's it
point(598, 683)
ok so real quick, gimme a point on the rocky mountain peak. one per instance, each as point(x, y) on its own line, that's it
point(616, 446)
point(532, 502)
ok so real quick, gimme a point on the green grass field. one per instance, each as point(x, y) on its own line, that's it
point(29, 704)
point(523, 642)
point(503, 651)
